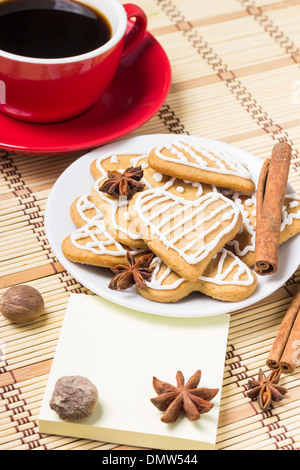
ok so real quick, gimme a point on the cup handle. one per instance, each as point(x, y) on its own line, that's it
point(134, 34)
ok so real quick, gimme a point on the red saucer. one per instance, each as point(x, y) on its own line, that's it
point(137, 92)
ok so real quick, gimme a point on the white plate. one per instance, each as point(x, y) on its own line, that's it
point(77, 180)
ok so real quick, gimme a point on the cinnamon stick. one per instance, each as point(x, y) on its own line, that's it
point(271, 194)
point(286, 347)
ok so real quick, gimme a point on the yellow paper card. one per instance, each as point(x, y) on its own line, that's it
point(120, 350)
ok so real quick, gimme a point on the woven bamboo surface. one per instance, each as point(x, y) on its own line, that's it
point(235, 78)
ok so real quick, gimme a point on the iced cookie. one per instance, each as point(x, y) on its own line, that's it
point(91, 244)
point(191, 159)
point(244, 243)
point(185, 234)
point(226, 278)
point(115, 209)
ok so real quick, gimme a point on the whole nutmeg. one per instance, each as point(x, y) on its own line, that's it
point(21, 304)
point(74, 398)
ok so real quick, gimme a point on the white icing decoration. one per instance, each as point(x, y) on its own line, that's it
point(114, 159)
point(246, 225)
point(220, 278)
point(126, 215)
point(294, 204)
point(157, 284)
point(158, 177)
point(226, 216)
point(148, 211)
point(226, 162)
point(95, 229)
point(249, 202)
point(289, 217)
point(180, 189)
point(100, 240)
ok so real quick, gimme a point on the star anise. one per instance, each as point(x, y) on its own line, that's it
point(187, 397)
point(266, 389)
point(123, 184)
point(134, 273)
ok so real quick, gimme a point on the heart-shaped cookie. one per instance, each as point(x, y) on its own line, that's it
point(185, 235)
point(115, 209)
point(91, 243)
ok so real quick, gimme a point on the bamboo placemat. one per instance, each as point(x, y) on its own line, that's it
point(235, 78)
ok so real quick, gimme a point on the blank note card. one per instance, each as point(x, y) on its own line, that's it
point(120, 350)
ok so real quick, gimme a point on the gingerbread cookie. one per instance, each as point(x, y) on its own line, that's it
point(226, 278)
point(91, 244)
point(185, 234)
point(191, 159)
point(244, 243)
point(115, 209)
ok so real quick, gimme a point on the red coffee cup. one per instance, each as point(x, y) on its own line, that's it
point(54, 90)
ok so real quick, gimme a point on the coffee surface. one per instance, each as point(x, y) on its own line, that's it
point(51, 29)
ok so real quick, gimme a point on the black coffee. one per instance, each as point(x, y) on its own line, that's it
point(51, 29)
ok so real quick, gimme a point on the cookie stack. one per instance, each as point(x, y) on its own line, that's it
point(191, 207)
